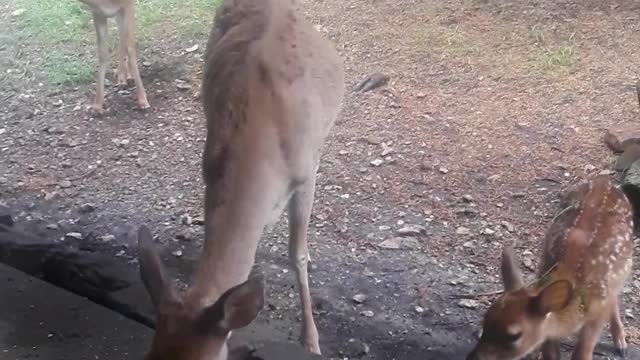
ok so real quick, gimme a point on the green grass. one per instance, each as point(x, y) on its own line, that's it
point(554, 58)
point(63, 34)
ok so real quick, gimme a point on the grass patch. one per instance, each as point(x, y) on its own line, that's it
point(554, 58)
point(454, 38)
point(62, 36)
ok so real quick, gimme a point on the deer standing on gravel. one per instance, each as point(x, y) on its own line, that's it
point(586, 257)
point(123, 11)
point(272, 89)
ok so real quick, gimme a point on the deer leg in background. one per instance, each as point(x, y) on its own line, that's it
point(100, 23)
point(123, 69)
point(127, 32)
point(299, 215)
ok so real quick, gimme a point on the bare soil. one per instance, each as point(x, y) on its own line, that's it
point(486, 118)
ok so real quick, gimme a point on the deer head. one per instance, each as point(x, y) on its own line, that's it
point(188, 332)
point(515, 323)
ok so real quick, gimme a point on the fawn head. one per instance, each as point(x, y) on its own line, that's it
point(514, 325)
point(187, 333)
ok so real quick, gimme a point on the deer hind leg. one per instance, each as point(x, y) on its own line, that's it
point(588, 338)
point(551, 350)
point(123, 74)
point(617, 329)
point(128, 34)
point(100, 23)
point(300, 206)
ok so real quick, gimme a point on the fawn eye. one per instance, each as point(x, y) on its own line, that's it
point(511, 338)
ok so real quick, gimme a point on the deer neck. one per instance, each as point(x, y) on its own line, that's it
point(566, 322)
point(230, 245)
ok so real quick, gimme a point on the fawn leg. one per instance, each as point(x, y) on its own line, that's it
point(588, 337)
point(617, 329)
point(123, 74)
point(551, 350)
point(100, 24)
point(127, 31)
point(299, 213)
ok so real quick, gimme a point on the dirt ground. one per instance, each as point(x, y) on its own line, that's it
point(492, 108)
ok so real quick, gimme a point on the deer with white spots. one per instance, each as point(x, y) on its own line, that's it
point(272, 89)
point(586, 257)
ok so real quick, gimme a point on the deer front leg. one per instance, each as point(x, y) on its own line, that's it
point(617, 329)
point(100, 24)
point(127, 32)
point(588, 338)
point(299, 213)
point(123, 74)
point(551, 350)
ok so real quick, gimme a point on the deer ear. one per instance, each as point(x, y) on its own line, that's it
point(553, 298)
point(235, 309)
point(151, 269)
point(511, 275)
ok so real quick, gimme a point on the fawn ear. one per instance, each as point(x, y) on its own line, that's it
point(151, 269)
point(555, 297)
point(511, 275)
point(235, 309)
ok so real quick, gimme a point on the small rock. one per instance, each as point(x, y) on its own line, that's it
point(489, 231)
point(177, 253)
point(184, 236)
point(73, 236)
point(53, 227)
point(630, 155)
point(192, 48)
point(467, 198)
point(51, 195)
point(399, 242)
point(146, 63)
point(421, 95)
point(18, 12)
point(386, 149)
point(411, 230)
point(509, 226)
point(419, 309)
point(443, 170)
point(360, 298)
point(628, 313)
point(466, 211)
point(87, 208)
point(183, 86)
point(463, 231)
point(377, 162)
point(367, 313)
point(468, 303)
point(392, 244)
point(469, 244)
point(622, 135)
point(198, 220)
point(65, 184)
point(186, 219)
point(374, 140)
point(107, 238)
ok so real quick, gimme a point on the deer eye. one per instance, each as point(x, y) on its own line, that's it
point(511, 338)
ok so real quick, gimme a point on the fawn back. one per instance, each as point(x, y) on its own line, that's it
point(271, 90)
point(586, 256)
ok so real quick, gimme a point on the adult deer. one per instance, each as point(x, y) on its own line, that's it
point(586, 257)
point(123, 11)
point(272, 89)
